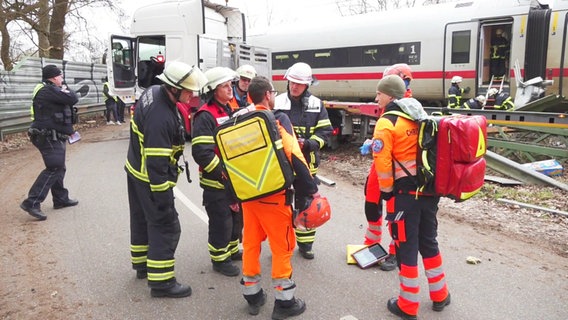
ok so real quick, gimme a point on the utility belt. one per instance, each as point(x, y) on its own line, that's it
point(50, 134)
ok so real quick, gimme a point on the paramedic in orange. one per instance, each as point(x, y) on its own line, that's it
point(411, 217)
point(241, 99)
point(271, 217)
point(373, 208)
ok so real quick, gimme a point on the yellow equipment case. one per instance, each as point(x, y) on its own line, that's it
point(253, 155)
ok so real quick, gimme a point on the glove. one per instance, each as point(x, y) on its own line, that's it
point(386, 195)
point(235, 207)
point(467, 90)
point(309, 145)
point(366, 147)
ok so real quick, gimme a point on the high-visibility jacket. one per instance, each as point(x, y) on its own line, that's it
point(472, 104)
point(239, 102)
point(311, 123)
point(454, 96)
point(106, 92)
point(203, 148)
point(156, 141)
point(503, 101)
point(394, 138)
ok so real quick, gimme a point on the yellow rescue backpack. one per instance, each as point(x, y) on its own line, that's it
point(253, 156)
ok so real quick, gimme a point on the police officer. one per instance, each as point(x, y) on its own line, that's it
point(225, 218)
point(313, 129)
point(411, 217)
point(241, 99)
point(53, 117)
point(156, 144)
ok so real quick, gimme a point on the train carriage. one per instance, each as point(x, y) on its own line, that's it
point(349, 54)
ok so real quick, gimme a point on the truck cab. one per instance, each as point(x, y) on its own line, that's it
point(195, 32)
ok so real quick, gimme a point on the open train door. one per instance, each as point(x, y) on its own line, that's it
point(460, 42)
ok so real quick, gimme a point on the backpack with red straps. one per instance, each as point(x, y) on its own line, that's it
point(450, 160)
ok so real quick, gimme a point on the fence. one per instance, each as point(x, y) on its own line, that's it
point(16, 89)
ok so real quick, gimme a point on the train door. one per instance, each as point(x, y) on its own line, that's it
point(460, 56)
point(494, 52)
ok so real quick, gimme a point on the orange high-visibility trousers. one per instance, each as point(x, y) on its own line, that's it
point(268, 217)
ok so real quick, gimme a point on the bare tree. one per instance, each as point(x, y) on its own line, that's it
point(355, 7)
point(43, 22)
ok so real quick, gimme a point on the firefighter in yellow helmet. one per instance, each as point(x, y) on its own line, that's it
point(156, 144)
point(225, 218)
point(312, 126)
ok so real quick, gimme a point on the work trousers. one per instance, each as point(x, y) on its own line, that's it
point(225, 225)
point(154, 234)
point(111, 108)
point(269, 217)
point(374, 210)
point(414, 227)
point(51, 178)
point(120, 106)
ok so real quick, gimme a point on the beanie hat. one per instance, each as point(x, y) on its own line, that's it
point(393, 86)
point(50, 71)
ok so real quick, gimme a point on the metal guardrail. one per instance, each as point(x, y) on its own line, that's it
point(21, 122)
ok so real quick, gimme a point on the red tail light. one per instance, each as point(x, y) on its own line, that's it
point(335, 131)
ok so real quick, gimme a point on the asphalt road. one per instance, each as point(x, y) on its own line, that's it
point(90, 246)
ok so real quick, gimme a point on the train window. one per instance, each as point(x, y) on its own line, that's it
point(362, 56)
point(461, 46)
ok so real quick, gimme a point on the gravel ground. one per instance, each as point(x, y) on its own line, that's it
point(483, 211)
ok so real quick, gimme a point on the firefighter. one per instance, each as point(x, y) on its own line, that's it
point(156, 144)
point(241, 98)
point(455, 92)
point(503, 101)
point(271, 217)
point(411, 217)
point(312, 127)
point(475, 103)
point(499, 53)
point(373, 208)
point(53, 117)
point(225, 218)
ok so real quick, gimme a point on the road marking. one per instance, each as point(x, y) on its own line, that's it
point(192, 207)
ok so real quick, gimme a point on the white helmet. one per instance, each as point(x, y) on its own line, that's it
point(218, 75)
point(499, 31)
point(246, 71)
point(456, 79)
point(481, 99)
point(492, 92)
point(300, 73)
point(183, 76)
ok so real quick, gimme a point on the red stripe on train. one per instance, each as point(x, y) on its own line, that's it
point(467, 74)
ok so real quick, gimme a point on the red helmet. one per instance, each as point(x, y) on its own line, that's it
point(315, 215)
point(400, 69)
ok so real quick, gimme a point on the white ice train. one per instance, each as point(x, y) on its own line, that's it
point(348, 55)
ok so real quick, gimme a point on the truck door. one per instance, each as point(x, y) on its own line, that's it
point(460, 42)
point(120, 67)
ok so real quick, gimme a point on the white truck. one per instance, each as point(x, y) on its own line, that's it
point(197, 32)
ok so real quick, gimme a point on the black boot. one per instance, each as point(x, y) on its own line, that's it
point(65, 204)
point(255, 302)
point(439, 306)
point(306, 251)
point(34, 212)
point(393, 307)
point(177, 291)
point(226, 268)
point(290, 308)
